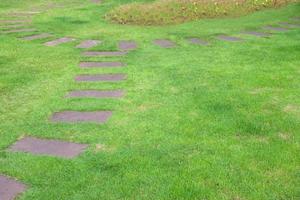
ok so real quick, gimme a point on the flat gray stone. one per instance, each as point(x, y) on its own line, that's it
point(100, 78)
point(104, 53)
point(76, 116)
point(96, 94)
point(273, 28)
point(289, 25)
point(100, 64)
point(229, 38)
point(257, 34)
point(198, 41)
point(127, 45)
point(38, 36)
point(59, 41)
point(9, 188)
point(164, 43)
point(48, 147)
point(88, 44)
point(20, 30)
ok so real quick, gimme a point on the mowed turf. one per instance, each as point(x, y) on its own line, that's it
point(214, 122)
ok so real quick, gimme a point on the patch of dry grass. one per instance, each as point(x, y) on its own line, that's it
point(163, 12)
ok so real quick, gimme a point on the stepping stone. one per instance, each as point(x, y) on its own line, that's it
point(96, 1)
point(258, 34)
point(289, 25)
point(100, 77)
point(100, 64)
point(229, 38)
point(198, 41)
point(35, 37)
point(9, 188)
point(14, 26)
point(20, 30)
point(75, 117)
point(104, 53)
point(48, 147)
point(59, 41)
point(88, 44)
point(164, 43)
point(273, 28)
point(296, 18)
point(96, 94)
point(127, 45)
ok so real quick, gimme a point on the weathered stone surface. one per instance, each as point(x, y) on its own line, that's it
point(9, 188)
point(164, 43)
point(258, 34)
point(48, 147)
point(88, 44)
point(229, 38)
point(100, 77)
point(198, 41)
point(100, 64)
point(127, 45)
point(96, 94)
point(20, 30)
point(273, 28)
point(15, 21)
point(59, 41)
point(104, 53)
point(76, 116)
point(38, 36)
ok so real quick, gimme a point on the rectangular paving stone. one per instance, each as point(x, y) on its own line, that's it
point(100, 64)
point(104, 53)
point(48, 147)
point(76, 116)
point(96, 94)
point(229, 38)
point(273, 28)
point(9, 188)
point(198, 41)
point(20, 30)
point(100, 78)
point(164, 43)
point(59, 41)
point(127, 45)
point(38, 36)
point(258, 34)
point(88, 44)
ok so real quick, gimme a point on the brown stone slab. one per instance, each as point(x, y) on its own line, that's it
point(104, 53)
point(257, 34)
point(100, 64)
point(229, 38)
point(88, 44)
point(48, 147)
point(100, 78)
point(59, 41)
point(75, 116)
point(20, 30)
point(9, 188)
point(38, 36)
point(127, 45)
point(198, 41)
point(273, 28)
point(164, 43)
point(96, 94)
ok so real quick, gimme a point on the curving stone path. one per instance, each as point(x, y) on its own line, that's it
point(88, 44)
point(229, 38)
point(100, 78)
point(164, 43)
point(48, 147)
point(59, 41)
point(9, 188)
point(76, 116)
point(104, 53)
point(101, 64)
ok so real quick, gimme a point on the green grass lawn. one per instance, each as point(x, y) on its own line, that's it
point(218, 122)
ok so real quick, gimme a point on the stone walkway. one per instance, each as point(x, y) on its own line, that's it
point(9, 188)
